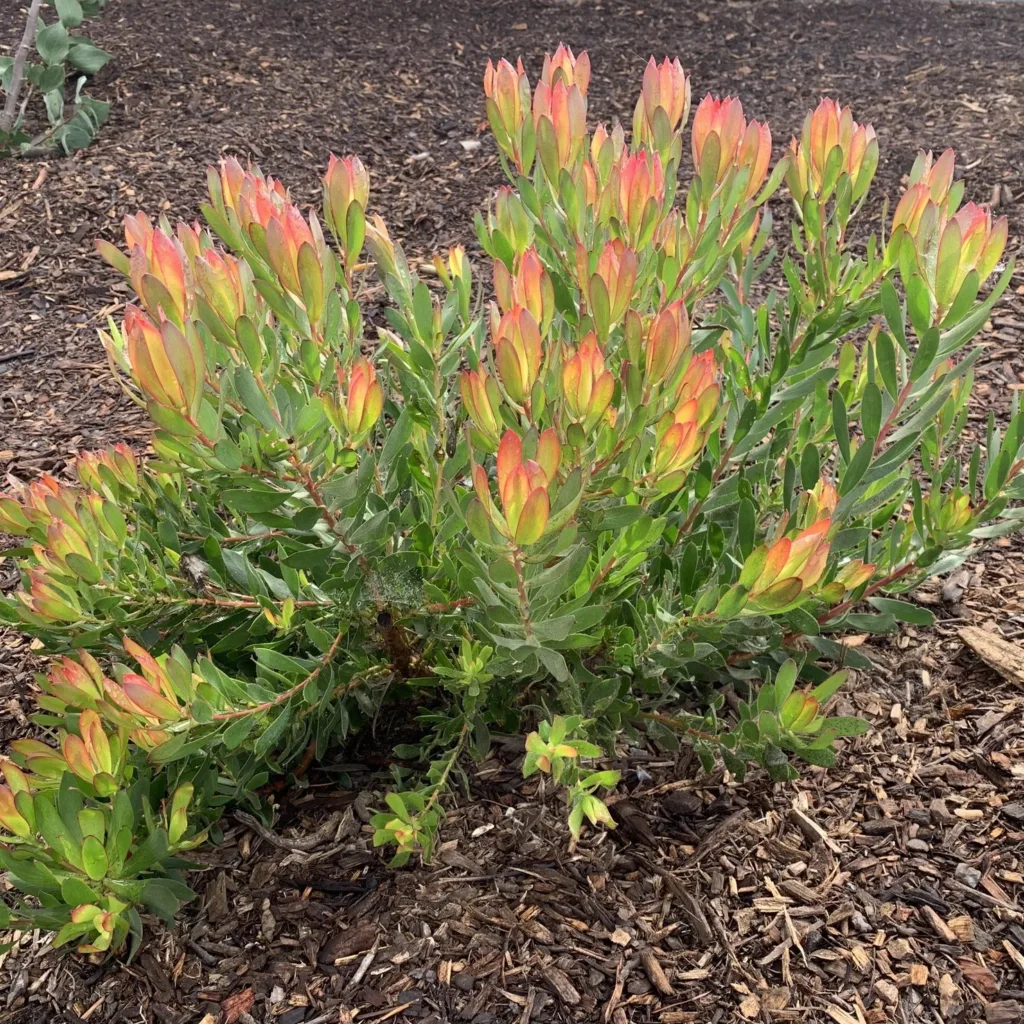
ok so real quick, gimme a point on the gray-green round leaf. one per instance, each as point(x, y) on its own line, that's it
point(69, 12)
point(52, 43)
point(86, 57)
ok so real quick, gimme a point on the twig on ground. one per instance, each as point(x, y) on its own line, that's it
point(306, 843)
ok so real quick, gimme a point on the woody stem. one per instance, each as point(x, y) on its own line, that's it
point(524, 603)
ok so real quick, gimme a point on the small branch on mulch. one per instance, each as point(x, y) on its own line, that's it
point(322, 835)
point(22, 353)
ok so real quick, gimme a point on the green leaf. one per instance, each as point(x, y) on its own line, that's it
point(75, 892)
point(847, 726)
point(49, 78)
point(253, 399)
point(52, 43)
point(855, 469)
point(94, 858)
point(159, 898)
point(918, 304)
point(826, 690)
point(810, 466)
point(785, 679)
point(902, 610)
point(885, 355)
point(881, 623)
point(86, 57)
point(148, 854)
point(254, 500)
point(202, 712)
point(893, 312)
point(554, 663)
point(237, 732)
point(398, 437)
point(69, 12)
point(926, 352)
point(841, 425)
point(269, 740)
point(871, 412)
point(228, 454)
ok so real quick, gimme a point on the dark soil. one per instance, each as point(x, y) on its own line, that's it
point(886, 889)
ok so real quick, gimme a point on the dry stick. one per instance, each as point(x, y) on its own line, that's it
point(18, 70)
point(303, 844)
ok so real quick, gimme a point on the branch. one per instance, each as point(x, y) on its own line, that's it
point(891, 418)
point(241, 538)
point(226, 602)
point(226, 716)
point(303, 844)
point(698, 505)
point(18, 71)
point(840, 609)
point(524, 602)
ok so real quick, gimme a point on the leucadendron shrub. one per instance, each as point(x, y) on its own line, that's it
point(583, 512)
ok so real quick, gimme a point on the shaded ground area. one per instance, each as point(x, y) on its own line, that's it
point(887, 889)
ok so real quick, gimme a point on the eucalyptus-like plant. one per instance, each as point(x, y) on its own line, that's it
point(623, 491)
point(65, 60)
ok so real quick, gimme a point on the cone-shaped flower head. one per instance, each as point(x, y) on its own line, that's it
point(225, 284)
point(563, 65)
point(530, 288)
point(168, 364)
point(346, 184)
point(586, 385)
point(779, 574)
point(698, 385)
point(947, 248)
point(668, 341)
point(362, 399)
point(663, 106)
point(682, 432)
point(507, 89)
point(115, 467)
point(512, 220)
point(560, 122)
point(813, 168)
point(721, 132)
point(641, 195)
point(482, 401)
point(518, 352)
point(156, 267)
point(817, 503)
point(522, 486)
point(609, 289)
point(936, 174)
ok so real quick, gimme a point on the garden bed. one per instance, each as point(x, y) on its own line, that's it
point(887, 888)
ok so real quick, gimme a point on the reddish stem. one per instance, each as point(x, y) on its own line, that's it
point(887, 426)
point(227, 716)
point(449, 606)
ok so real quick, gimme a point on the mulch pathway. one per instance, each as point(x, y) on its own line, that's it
point(886, 889)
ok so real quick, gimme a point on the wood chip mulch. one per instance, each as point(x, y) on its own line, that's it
point(888, 889)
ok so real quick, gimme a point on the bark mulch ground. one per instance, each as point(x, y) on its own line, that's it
point(885, 889)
